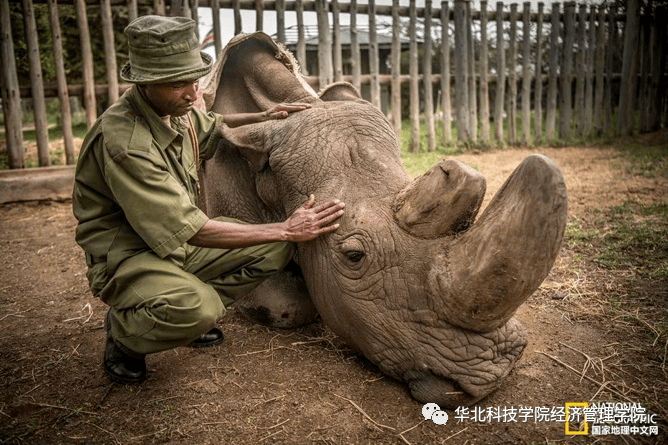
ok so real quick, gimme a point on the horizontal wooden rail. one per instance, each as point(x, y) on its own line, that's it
point(309, 5)
point(101, 90)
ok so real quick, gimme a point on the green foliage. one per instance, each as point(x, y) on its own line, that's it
point(71, 42)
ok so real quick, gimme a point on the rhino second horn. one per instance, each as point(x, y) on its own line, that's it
point(443, 201)
point(479, 279)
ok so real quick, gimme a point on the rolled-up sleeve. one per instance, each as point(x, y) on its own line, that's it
point(155, 204)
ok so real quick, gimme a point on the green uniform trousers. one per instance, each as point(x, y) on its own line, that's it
point(159, 304)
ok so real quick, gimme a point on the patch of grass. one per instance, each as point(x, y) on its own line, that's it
point(647, 161)
point(576, 235)
point(55, 133)
point(418, 163)
point(636, 236)
point(4, 161)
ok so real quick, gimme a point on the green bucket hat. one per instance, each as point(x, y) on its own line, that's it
point(164, 49)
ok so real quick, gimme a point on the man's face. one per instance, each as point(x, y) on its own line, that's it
point(172, 98)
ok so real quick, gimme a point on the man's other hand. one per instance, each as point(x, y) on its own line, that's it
point(281, 111)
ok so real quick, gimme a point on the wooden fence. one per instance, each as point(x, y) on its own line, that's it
point(577, 65)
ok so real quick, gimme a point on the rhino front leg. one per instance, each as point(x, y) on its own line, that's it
point(282, 301)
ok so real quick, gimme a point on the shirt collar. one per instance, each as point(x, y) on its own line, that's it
point(163, 135)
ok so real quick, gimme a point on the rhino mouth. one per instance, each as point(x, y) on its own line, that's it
point(427, 387)
point(455, 367)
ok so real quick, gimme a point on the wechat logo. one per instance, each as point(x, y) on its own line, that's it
point(433, 411)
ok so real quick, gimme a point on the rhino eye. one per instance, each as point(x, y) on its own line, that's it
point(355, 256)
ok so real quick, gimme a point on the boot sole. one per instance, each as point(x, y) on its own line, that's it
point(117, 379)
point(206, 345)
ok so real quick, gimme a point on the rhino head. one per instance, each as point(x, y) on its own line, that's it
point(410, 279)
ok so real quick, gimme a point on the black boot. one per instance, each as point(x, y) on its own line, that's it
point(120, 366)
point(213, 337)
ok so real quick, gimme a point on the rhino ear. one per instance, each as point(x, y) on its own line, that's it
point(339, 91)
point(250, 141)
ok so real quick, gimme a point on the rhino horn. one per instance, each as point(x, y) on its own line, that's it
point(478, 279)
point(443, 201)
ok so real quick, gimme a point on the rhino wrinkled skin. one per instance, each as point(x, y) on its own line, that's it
point(410, 279)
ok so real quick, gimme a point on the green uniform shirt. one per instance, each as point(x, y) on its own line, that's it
point(135, 186)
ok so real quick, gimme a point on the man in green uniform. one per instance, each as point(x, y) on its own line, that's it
point(166, 270)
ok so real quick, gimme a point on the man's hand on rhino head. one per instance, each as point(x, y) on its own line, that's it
point(308, 222)
point(281, 111)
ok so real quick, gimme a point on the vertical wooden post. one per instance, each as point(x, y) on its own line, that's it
point(280, 21)
point(609, 67)
point(176, 8)
point(185, 9)
point(238, 26)
point(445, 71)
point(109, 50)
point(414, 88)
point(132, 10)
point(646, 48)
point(336, 37)
point(355, 58)
point(301, 41)
point(484, 81)
point(217, 37)
point(538, 91)
point(373, 55)
point(461, 70)
point(194, 6)
point(512, 77)
point(396, 69)
point(427, 82)
point(473, 81)
point(159, 7)
point(580, 71)
point(566, 103)
point(625, 120)
point(526, 73)
point(662, 79)
point(658, 60)
point(589, 71)
point(324, 45)
point(600, 69)
point(61, 81)
point(11, 95)
point(500, 74)
point(551, 116)
point(259, 14)
point(87, 59)
point(36, 84)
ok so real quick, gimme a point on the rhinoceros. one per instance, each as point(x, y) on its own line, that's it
point(410, 279)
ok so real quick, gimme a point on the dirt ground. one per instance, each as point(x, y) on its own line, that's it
point(304, 386)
